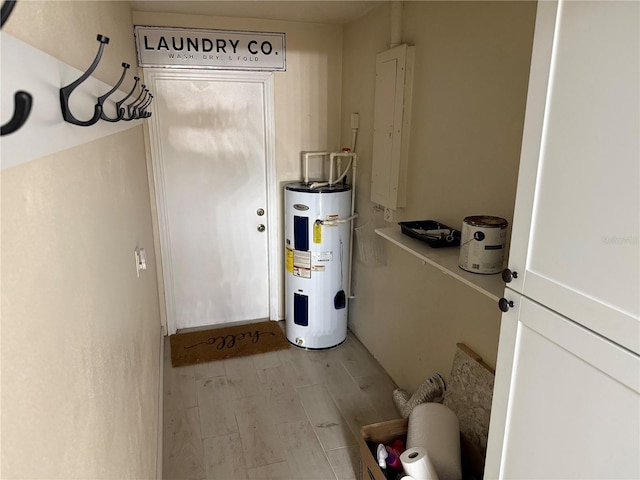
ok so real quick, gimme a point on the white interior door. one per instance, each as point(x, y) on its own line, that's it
point(211, 152)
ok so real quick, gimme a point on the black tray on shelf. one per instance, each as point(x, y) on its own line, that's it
point(429, 232)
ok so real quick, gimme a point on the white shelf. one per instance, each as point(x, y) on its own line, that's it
point(446, 260)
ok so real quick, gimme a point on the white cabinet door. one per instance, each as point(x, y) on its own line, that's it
point(575, 241)
point(566, 402)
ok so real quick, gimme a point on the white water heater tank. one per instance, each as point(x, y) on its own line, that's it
point(317, 264)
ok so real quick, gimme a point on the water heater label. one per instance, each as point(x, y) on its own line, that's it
point(302, 263)
point(301, 259)
point(289, 260)
point(322, 256)
point(302, 272)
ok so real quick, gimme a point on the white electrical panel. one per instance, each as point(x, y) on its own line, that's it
point(392, 120)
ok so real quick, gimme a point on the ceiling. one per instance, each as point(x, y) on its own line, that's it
point(316, 11)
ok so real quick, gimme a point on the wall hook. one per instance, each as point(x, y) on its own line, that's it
point(119, 107)
point(22, 100)
point(142, 111)
point(101, 99)
point(7, 7)
point(135, 111)
point(65, 92)
point(131, 108)
point(22, 108)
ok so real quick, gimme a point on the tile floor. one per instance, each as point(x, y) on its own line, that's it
point(292, 414)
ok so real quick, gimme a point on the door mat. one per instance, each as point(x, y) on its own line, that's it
point(226, 342)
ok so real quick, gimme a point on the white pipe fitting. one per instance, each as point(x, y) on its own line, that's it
point(305, 156)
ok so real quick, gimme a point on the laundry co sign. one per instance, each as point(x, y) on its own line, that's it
point(216, 49)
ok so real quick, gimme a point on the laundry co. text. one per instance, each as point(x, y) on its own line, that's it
point(196, 44)
point(221, 49)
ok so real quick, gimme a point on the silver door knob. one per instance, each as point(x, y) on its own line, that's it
point(260, 212)
point(261, 228)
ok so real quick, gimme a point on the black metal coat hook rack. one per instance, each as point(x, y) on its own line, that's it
point(65, 92)
point(22, 100)
point(127, 112)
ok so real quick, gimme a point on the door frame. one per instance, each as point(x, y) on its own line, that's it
point(156, 177)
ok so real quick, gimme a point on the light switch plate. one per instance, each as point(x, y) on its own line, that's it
point(141, 260)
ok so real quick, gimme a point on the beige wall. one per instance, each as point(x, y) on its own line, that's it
point(471, 72)
point(80, 332)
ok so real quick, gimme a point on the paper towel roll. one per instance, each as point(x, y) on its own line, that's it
point(416, 463)
point(436, 428)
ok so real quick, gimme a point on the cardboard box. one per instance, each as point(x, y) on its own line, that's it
point(384, 432)
point(472, 461)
